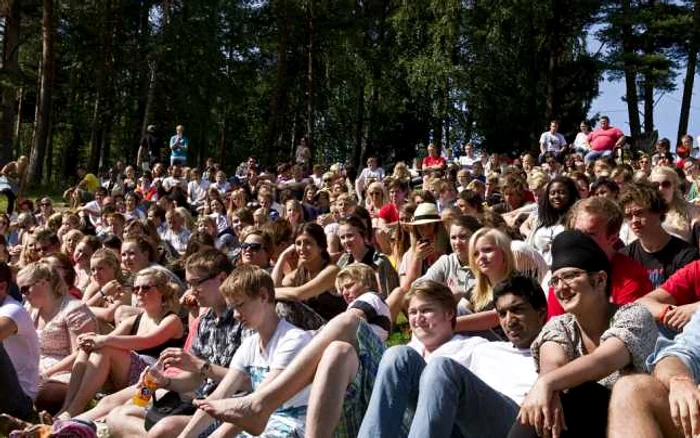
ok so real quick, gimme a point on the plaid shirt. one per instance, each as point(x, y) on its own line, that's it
point(217, 341)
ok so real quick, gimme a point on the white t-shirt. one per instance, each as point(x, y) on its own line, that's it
point(377, 312)
point(23, 346)
point(552, 142)
point(508, 370)
point(197, 191)
point(460, 348)
point(284, 345)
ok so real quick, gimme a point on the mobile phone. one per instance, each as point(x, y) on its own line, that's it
point(424, 240)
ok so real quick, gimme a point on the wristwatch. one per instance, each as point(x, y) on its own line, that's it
point(206, 366)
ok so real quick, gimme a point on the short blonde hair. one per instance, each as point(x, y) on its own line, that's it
point(168, 289)
point(42, 270)
point(108, 256)
point(359, 273)
point(248, 280)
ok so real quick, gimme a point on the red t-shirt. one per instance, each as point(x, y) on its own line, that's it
point(630, 281)
point(430, 161)
point(684, 284)
point(389, 213)
point(604, 139)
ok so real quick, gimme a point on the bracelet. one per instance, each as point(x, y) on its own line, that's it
point(101, 292)
point(662, 315)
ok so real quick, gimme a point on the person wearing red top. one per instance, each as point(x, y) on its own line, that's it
point(603, 140)
point(433, 161)
point(675, 302)
point(601, 219)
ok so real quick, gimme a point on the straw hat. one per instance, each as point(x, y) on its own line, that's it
point(426, 213)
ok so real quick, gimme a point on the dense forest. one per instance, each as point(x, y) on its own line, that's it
point(80, 80)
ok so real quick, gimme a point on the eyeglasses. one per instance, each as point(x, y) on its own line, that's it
point(565, 278)
point(195, 283)
point(663, 184)
point(45, 205)
point(251, 246)
point(145, 288)
point(24, 290)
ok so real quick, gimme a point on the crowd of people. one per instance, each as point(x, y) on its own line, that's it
point(467, 294)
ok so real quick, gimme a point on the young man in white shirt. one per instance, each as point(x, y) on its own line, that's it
point(19, 353)
point(455, 383)
point(552, 140)
point(261, 357)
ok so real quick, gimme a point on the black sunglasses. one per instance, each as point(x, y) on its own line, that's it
point(251, 246)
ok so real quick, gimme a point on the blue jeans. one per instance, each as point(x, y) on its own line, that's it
point(449, 400)
point(594, 155)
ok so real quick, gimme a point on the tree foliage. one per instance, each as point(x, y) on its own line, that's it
point(361, 77)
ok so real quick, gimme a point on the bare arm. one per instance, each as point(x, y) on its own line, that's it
point(656, 301)
point(7, 328)
point(477, 321)
point(169, 328)
point(324, 281)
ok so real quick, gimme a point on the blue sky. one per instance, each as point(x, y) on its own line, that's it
point(666, 112)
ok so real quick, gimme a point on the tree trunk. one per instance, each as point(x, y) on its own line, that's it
point(36, 159)
point(553, 66)
point(279, 93)
point(689, 81)
point(310, 75)
point(359, 127)
point(99, 113)
point(630, 70)
point(18, 129)
point(10, 66)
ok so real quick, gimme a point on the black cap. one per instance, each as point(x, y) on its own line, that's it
point(575, 249)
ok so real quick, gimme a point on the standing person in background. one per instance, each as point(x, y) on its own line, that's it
point(178, 146)
point(12, 181)
point(552, 141)
point(149, 149)
point(302, 156)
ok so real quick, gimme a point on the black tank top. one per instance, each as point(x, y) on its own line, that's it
point(155, 351)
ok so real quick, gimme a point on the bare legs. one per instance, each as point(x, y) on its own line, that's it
point(109, 403)
point(253, 411)
point(91, 372)
point(335, 372)
point(639, 407)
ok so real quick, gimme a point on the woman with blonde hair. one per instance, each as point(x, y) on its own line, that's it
point(681, 214)
point(106, 293)
point(491, 261)
point(294, 212)
point(59, 319)
point(70, 242)
point(401, 172)
point(135, 344)
point(376, 198)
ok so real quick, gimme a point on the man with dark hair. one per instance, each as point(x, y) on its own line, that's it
point(659, 252)
point(552, 140)
point(475, 389)
point(603, 140)
point(389, 214)
point(19, 353)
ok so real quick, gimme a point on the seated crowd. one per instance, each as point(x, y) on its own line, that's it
point(474, 296)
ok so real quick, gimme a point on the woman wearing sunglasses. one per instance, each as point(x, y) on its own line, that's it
point(681, 214)
point(59, 319)
point(256, 249)
point(135, 344)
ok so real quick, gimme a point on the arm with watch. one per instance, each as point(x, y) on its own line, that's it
point(195, 370)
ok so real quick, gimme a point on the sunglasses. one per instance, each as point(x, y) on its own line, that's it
point(24, 290)
point(251, 246)
point(145, 288)
point(194, 283)
point(663, 184)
